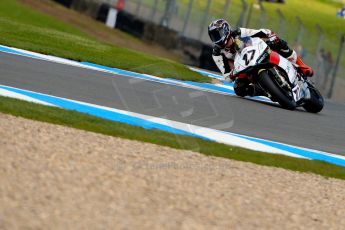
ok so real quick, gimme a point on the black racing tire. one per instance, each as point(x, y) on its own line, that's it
point(278, 94)
point(316, 102)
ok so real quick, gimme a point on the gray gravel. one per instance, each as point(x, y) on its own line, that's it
point(54, 177)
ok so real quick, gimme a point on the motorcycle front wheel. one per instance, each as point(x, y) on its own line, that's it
point(316, 102)
point(279, 95)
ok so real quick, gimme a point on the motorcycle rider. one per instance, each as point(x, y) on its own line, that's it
point(227, 42)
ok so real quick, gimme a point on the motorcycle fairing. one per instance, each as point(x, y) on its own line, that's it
point(287, 66)
point(249, 55)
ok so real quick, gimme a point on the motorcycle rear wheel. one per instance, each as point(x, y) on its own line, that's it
point(278, 94)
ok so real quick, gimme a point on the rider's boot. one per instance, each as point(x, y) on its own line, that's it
point(305, 69)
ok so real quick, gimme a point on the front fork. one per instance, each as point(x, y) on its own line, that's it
point(298, 89)
point(298, 84)
point(301, 90)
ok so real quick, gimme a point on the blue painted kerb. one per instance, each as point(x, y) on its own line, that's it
point(119, 117)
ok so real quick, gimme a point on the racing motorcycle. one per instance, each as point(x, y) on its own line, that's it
point(276, 76)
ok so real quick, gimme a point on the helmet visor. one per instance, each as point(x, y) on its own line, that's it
point(218, 35)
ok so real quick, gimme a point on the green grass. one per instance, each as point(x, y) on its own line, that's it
point(312, 12)
point(23, 27)
point(90, 123)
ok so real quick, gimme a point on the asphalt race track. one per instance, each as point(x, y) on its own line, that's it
point(324, 131)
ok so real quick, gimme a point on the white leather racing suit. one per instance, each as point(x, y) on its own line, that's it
point(224, 58)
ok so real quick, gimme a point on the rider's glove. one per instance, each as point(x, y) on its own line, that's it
point(229, 77)
point(273, 39)
point(235, 32)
